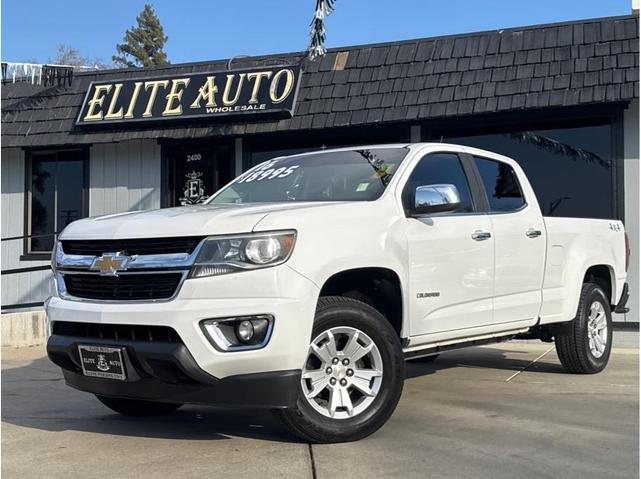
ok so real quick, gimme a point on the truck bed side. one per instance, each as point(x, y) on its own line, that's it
point(573, 246)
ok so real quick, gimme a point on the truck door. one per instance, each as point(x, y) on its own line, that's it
point(519, 242)
point(451, 255)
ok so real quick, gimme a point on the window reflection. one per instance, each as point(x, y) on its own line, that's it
point(257, 157)
point(439, 168)
point(501, 185)
point(43, 173)
point(570, 169)
point(57, 181)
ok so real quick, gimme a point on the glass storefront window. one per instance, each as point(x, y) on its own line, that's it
point(57, 196)
point(570, 169)
point(296, 143)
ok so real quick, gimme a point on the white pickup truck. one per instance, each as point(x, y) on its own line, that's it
point(306, 283)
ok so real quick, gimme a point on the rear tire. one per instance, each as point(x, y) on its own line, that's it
point(137, 408)
point(584, 344)
point(346, 396)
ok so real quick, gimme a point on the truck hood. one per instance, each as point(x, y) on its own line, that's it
point(198, 220)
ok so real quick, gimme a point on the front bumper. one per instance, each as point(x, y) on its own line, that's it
point(215, 376)
point(167, 372)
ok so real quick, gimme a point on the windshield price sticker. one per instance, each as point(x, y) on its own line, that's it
point(266, 172)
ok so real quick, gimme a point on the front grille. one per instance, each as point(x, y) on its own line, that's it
point(125, 287)
point(185, 244)
point(117, 332)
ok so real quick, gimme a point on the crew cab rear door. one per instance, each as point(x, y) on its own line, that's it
point(519, 241)
point(450, 254)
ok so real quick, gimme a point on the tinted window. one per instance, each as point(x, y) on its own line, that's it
point(439, 168)
point(350, 175)
point(565, 166)
point(501, 185)
point(57, 181)
point(257, 157)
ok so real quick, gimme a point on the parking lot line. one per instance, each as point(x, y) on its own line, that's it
point(528, 365)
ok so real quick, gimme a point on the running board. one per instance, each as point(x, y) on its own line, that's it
point(438, 347)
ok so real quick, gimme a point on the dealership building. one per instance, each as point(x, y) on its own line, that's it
point(561, 99)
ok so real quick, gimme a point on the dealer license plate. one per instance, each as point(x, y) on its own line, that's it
point(102, 362)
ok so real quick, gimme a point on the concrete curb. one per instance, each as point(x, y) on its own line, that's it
point(24, 329)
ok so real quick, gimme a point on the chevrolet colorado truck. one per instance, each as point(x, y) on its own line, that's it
point(305, 284)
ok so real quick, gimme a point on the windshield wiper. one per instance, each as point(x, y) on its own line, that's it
point(379, 165)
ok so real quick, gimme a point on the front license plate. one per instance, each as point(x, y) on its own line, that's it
point(102, 362)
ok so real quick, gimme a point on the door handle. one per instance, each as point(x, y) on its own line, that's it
point(480, 235)
point(533, 233)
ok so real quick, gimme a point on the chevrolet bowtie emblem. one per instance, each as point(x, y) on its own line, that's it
point(110, 263)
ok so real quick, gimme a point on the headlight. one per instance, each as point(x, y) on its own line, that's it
point(229, 254)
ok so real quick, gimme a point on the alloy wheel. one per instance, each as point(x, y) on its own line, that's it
point(343, 372)
point(597, 329)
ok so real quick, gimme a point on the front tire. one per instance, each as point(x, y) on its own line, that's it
point(137, 408)
point(584, 344)
point(353, 377)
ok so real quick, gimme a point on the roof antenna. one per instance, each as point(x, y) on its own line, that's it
point(441, 140)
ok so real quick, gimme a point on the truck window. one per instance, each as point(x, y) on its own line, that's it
point(501, 185)
point(439, 168)
point(348, 175)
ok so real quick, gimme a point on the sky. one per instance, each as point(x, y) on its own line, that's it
point(214, 29)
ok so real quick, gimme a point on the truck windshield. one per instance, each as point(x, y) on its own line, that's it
point(354, 175)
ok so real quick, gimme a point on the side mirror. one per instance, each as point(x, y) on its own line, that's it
point(436, 199)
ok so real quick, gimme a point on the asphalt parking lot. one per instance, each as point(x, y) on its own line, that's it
point(481, 412)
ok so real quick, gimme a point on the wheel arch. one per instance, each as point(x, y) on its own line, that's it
point(603, 275)
point(379, 287)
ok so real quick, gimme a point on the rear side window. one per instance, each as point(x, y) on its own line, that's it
point(501, 185)
point(439, 168)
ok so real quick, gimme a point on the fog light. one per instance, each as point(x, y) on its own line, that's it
point(238, 334)
point(245, 331)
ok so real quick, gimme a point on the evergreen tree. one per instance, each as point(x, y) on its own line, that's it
point(143, 45)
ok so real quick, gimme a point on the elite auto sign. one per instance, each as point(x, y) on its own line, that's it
point(189, 96)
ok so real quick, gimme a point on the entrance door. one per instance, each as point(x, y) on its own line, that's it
point(195, 171)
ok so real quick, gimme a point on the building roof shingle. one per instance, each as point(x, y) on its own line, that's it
point(541, 66)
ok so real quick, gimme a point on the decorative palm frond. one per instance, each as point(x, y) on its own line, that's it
point(317, 33)
point(381, 169)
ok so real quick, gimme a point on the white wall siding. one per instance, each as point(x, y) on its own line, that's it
point(12, 205)
point(632, 174)
point(124, 177)
point(19, 288)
